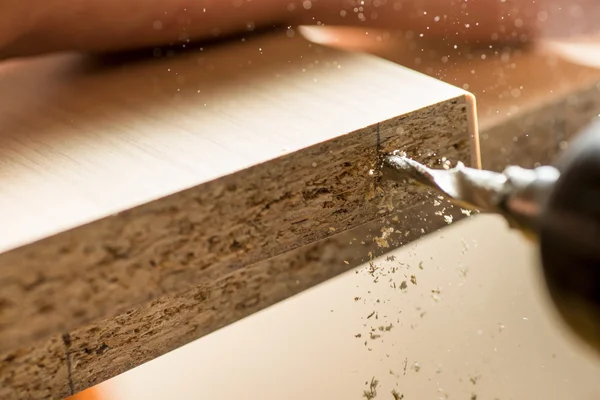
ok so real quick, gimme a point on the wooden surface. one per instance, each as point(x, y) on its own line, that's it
point(261, 147)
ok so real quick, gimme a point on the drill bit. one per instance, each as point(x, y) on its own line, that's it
point(517, 193)
point(468, 187)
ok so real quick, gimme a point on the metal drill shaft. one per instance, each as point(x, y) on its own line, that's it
point(517, 193)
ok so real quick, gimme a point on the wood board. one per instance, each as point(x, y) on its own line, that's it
point(260, 147)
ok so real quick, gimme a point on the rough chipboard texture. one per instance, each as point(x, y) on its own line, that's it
point(39, 371)
point(200, 235)
point(108, 347)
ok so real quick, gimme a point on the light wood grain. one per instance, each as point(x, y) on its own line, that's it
point(124, 183)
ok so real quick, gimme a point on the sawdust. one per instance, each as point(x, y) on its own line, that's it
point(382, 241)
point(387, 270)
point(371, 392)
point(416, 367)
point(403, 277)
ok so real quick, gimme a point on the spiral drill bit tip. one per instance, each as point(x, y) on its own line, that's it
point(468, 187)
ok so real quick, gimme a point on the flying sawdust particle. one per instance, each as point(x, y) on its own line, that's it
point(382, 240)
point(371, 392)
